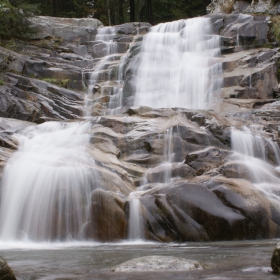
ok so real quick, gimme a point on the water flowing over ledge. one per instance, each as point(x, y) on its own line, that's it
point(179, 66)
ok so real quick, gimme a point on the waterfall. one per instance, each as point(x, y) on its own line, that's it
point(162, 173)
point(248, 144)
point(136, 230)
point(101, 82)
point(179, 66)
point(47, 184)
point(251, 151)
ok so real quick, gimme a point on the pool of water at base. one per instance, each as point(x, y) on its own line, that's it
point(225, 260)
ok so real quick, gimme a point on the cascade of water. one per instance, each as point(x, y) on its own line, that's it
point(116, 99)
point(252, 151)
point(237, 37)
point(48, 198)
point(179, 66)
point(136, 230)
point(247, 144)
point(101, 77)
point(250, 81)
point(168, 154)
point(162, 173)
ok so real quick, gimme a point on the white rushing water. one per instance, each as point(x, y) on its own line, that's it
point(179, 66)
point(101, 81)
point(47, 183)
point(136, 224)
point(255, 153)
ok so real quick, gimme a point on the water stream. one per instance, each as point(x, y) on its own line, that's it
point(226, 260)
point(259, 159)
point(179, 66)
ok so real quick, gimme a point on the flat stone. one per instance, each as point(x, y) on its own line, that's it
point(158, 263)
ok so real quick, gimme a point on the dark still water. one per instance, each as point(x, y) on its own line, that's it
point(226, 260)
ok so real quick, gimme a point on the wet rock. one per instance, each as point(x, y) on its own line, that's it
point(108, 217)
point(244, 29)
point(234, 209)
point(158, 263)
point(275, 259)
point(235, 170)
point(6, 272)
point(250, 75)
point(206, 159)
point(179, 212)
point(166, 171)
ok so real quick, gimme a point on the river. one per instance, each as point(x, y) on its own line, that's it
point(225, 260)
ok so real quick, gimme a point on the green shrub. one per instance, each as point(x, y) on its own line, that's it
point(14, 20)
point(276, 28)
point(59, 82)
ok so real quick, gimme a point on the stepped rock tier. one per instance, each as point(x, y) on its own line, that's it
point(165, 133)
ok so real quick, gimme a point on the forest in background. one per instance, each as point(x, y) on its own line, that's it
point(113, 12)
point(14, 13)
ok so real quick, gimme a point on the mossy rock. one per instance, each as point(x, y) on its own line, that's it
point(6, 272)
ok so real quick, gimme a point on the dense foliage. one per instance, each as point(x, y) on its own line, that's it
point(119, 11)
point(13, 19)
point(14, 13)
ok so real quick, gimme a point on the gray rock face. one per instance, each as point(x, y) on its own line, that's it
point(244, 29)
point(35, 101)
point(69, 29)
point(6, 272)
point(243, 6)
point(158, 263)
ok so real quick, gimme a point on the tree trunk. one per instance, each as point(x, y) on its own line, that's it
point(120, 11)
point(109, 12)
point(150, 11)
point(54, 8)
point(132, 10)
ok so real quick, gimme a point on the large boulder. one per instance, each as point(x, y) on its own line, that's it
point(217, 209)
point(68, 29)
point(275, 259)
point(108, 217)
point(6, 272)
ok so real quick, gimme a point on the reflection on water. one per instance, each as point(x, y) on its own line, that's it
point(227, 260)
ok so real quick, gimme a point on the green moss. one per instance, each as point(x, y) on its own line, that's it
point(276, 27)
point(1, 82)
point(268, 46)
point(59, 82)
point(278, 69)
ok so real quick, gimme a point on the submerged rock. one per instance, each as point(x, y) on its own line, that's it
point(158, 263)
point(6, 272)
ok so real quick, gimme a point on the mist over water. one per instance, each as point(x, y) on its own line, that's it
point(179, 66)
